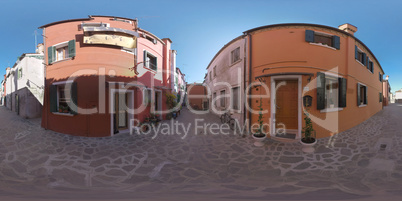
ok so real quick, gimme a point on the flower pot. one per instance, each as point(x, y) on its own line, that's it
point(258, 140)
point(308, 146)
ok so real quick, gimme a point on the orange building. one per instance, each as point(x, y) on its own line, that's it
point(197, 96)
point(102, 74)
point(326, 70)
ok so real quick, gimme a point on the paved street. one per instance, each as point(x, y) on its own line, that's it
point(362, 163)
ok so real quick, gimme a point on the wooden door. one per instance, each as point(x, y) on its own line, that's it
point(120, 107)
point(286, 104)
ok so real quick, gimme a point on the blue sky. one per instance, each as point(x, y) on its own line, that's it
point(199, 29)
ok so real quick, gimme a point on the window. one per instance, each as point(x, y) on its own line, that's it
point(323, 38)
point(331, 91)
point(210, 75)
point(150, 61)
point(362, 57)
point(147, 96)
point(62, 96)
point(371, 67)
point(214, 71)
point(223, 99)
point(214, 99)
point(19, 73)
point(380, 77)
point(61, 51)
point(151, 39)
point(361, 95)
point(381, 97)
point(235, 98)
point(235, 55)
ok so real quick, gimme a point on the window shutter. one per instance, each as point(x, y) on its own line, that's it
point(145, 58)
point(53, 98)
point(380, 76)
point(380, 97)
point(50, 54)
point(342, 92)
point(71, 48)
point(365, 96)
point(320, 91)
point(358, 94)
point(156, 63)
point(368, 62)
point(356, 53)
point(364, 58)
point(310, 36)
point(74, 108)
point(337, 42)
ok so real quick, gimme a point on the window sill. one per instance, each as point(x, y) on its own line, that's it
point(63, 114)
point(55, 62)
point(362, 105)
point(361, 63)
point(320, 44)
point(236, 62)
point(152, 70)
point(335, 109)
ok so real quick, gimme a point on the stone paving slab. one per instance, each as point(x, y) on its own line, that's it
point(349, 165)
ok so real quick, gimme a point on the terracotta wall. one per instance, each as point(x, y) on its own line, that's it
point(284, 49)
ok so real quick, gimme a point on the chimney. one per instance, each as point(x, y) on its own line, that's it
point(7, 70)
point(386, 78)
point(40, 48)
point(348, 28)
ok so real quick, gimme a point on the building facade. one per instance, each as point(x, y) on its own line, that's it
point(398, 96)
point(180, 85)
point(104, 74)
point(197, 97)
point(386, 92)
point(226, 80)
point(296, 69)
point(24, 84)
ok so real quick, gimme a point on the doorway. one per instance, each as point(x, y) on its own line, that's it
point(286, 107)
point(121, 105)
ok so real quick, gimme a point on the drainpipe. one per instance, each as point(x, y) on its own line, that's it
point(44, 78)
point(244, 79)
point(249, 79)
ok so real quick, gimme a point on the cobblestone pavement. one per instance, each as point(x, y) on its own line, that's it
point(359, 163)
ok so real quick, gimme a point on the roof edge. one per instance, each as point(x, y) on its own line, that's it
point(316, 25)
point(225, 46)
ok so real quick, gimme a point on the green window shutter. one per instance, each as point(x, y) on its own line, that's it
point(310, 36)
point(365, 96)
point(74, 108)
point(358, 94)
point(368, 63)
point(71, 48)
point(50, 54)
point(336, 41)
point(380, 97)
point(364, 58)
point(53, 98)
point(356, 53)
point(156, 63)
point(320, 91)
point(342, 92)
point(145, 58)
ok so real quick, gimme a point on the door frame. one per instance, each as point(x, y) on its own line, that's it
point(159, 101)
point(112, 108)
point(299, 102)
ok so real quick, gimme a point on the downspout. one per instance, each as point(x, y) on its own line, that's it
point(249, 79)
point(44, 79)
point(244, 80)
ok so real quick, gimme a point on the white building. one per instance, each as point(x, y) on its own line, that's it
point(2, 92)
point(226, 80)
point(398, 96)
point(25, 84)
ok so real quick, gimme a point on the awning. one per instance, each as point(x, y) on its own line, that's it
point(111, 29)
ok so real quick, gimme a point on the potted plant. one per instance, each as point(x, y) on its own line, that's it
point(308, 139)
point(259, 134)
